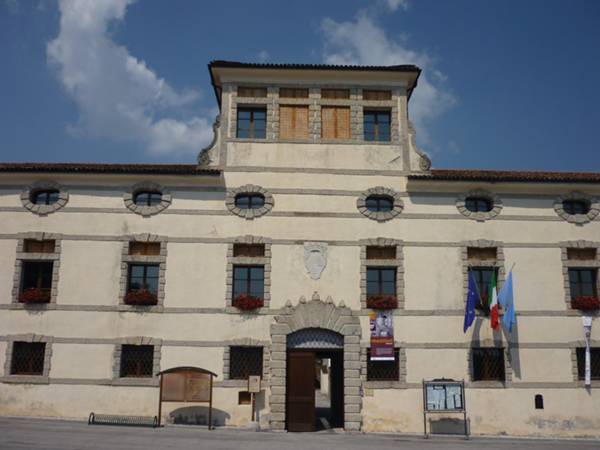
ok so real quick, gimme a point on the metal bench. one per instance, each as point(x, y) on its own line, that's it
point(131, 421)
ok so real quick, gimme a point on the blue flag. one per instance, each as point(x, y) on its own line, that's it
point(506, 301)
point(472, 299)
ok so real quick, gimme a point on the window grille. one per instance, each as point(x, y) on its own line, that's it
point(376, 125)
point(249, 250)
point(376, 95)
point(482, 253)
point(488, 364)
point(335, 93)
point(293, 92)
point(144, 248)
point(251, 123)
point(245, 361)
point(35, 246)
point(244, 91)
point(28, 358)
point(383, 370)
point(582, 282)
point(581, 254)
point(380, 252)
point(594, 363)
point(137, 361)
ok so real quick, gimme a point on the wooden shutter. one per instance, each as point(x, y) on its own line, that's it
point(293, 122)
point(335, 122)
point(33, 246)
point(335, 93)
point(144, 248)
point(293, 92)
point(245, 91)
point(377, 95)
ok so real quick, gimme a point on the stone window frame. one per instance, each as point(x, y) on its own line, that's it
point(23, 256)
point(378, 215)
point(127, 259)
point(117, 380)
point(578, 219)
point(246, 342)
point(249, 214)
point(578, 264)
point(479, 216)
point(498, 263)
point(508, 371)
point(400, 383)
point(44, 210)
point(268, 102)
point(574, 368)
point(248, 261)
point(147, 211)
point(397, 263)
point(30, 338)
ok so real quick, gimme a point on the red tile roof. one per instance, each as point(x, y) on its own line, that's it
point(508, 175)
point(155, 169)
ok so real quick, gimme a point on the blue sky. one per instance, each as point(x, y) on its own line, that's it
point(506, 84)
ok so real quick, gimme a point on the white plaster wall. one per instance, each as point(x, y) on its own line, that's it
point(99, 198)
point(195, 275)
point(10, 198)
point(316, 203)
point(542, 365)
point(198, 200)
point(436, 363)
point(3, 345)
point(209, 358)
point(92, 361)
point(90, 273)
point(8, 252)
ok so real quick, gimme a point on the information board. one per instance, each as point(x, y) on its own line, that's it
point(444, 396)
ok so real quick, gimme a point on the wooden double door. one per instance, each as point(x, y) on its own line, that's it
point(300, 389)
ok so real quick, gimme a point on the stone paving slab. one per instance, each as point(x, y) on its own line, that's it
point(33, 434)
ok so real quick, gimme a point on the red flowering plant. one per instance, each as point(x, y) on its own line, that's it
point(382, 302)
point(586, 303)
point(247, 302)
point(140, 297)
point(34, 295)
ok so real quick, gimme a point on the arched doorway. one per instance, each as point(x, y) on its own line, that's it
point(338, 328)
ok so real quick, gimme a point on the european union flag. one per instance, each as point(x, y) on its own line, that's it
point(472, 299)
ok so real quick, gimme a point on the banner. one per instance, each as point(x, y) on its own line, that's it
point(382, 336)
point(587, 331)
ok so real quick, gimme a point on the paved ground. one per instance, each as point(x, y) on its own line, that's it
point(61, 435)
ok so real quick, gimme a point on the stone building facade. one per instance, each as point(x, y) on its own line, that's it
point(312, 185)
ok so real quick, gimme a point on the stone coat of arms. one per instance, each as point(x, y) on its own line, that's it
point(315, 258)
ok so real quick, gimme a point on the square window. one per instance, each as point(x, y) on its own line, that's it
point(28, 358)
point(376, 126)
point(245, 361)
point(488, 364)
point(249, 280)
point(383, 370)
point(137, 361)
point(36, 281)
point(251, 122)
point(381, 281)
point(143, 276)
point(594, 363)
point(582, 283)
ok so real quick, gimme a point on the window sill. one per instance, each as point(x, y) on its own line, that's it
point(25, 379)
point(384, 384)
point(132, 381)
point(486, 384)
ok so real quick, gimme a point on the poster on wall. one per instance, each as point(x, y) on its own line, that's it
point(382, 336)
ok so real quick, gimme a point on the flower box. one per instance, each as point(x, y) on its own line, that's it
point(34, 295)
point(586, 303)
point(140, 297)
point(382, 302)
point(246, 302)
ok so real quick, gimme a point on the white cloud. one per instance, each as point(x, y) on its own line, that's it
point(263, 56)
point(394, 5)
point(118, 95)
point(362, 41)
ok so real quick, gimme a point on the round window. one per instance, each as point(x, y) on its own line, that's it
point(249, 201)
point(45, 197)
point(573, 207)
point(148, 198)
point(379, 203)
point(478, 204)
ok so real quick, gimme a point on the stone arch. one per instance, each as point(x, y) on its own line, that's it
point(328, 316)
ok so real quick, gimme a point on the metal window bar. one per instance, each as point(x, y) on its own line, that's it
point(488, 364)
point(383, 370)
point(245, 361)
point(28, 358)
point(137, 361)
point(594, 363)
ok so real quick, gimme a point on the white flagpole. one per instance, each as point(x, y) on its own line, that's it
point(587, 331)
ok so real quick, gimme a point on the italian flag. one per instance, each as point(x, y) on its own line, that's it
point(493, 296)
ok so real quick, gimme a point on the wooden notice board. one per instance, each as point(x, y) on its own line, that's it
point(186, 384)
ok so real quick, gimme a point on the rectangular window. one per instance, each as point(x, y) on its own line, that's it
point(376, 95)
point(335, 122)
point(482, 253)
point(28, 358)
point(582, 282)
point(249, 250)
point(37, 275)
point(488, 364)
point(383, 370)
point(144, 248)
point(380, 252)
point(249, 280)
point(293, 93)
point(381, 281)
point(483, 278)
point(143, 276)
point(137, 361)
point(335, 93)
point(581, 254)
point(376, 125)
point(245, 91)
point(34, 246)
point(245, 361)
point(251, 123)
point(293, 122)
point(594, 363)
